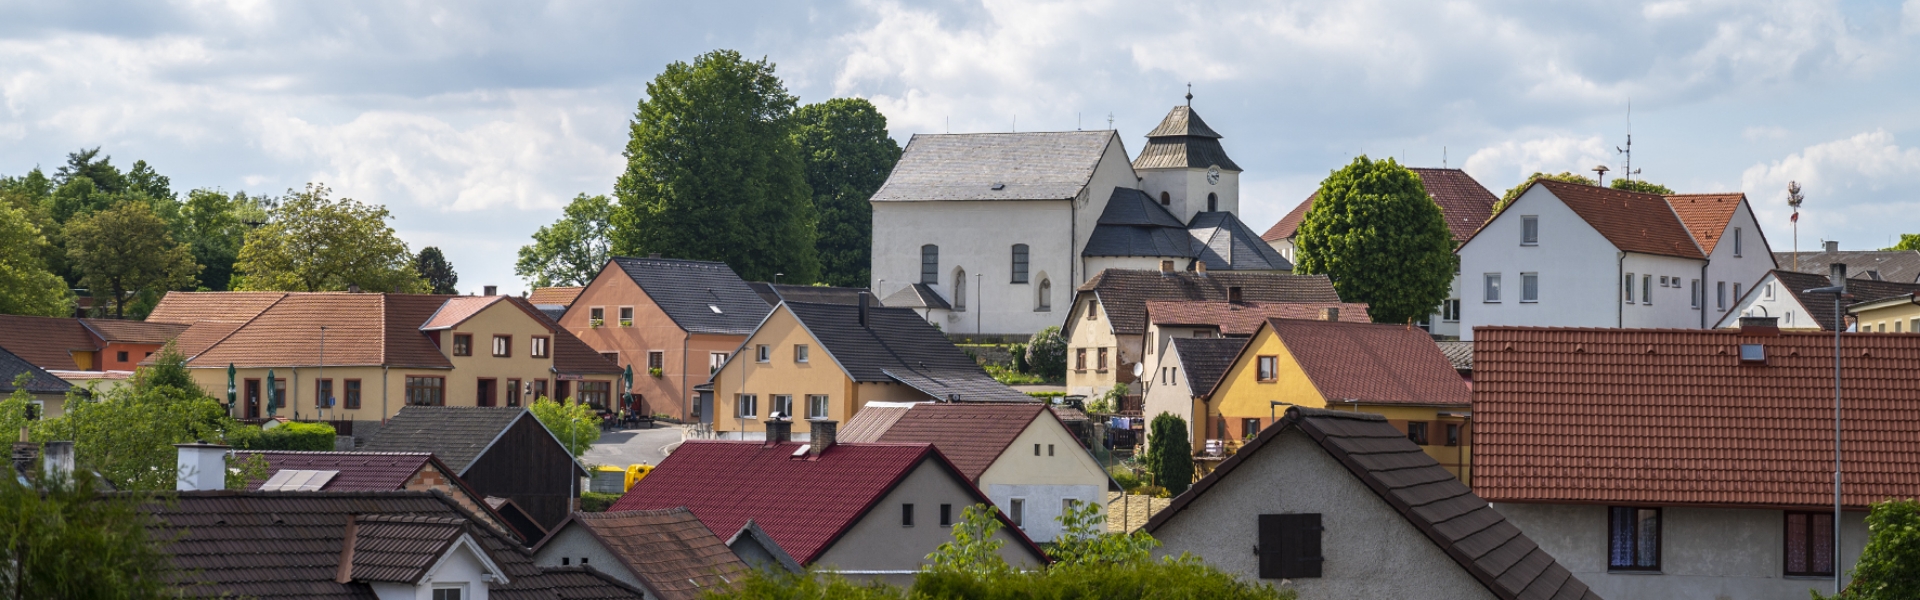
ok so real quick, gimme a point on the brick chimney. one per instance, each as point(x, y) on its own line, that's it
point(491, 290)
point(201, 466)
point(823, 436)
point(779, 431)
point(1199, 267)
point(1331, 313)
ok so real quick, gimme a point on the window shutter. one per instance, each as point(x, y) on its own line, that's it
point(1270, 545)
point(1290, 546)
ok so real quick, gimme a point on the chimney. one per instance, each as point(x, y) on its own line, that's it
point(491, 290)
point(57, 463)
point(1199, 267)
point(201, 467)
point(779, 431)
point(823, 436)
point(863, 308)
point(1331, 313)
point(1833, 246)
point(1233, 295)
point(1760, 326)
point(353, 288)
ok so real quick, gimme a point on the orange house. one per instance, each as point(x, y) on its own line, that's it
point(673, 321)
point(64, 344)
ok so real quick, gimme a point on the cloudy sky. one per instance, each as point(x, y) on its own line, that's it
point(476, 121)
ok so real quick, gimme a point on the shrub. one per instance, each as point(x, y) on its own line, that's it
point(1125, 477)
point(1169, 454)
point(1889, 568)
point(1047, 354)
point(597, 501)
point(295, 435)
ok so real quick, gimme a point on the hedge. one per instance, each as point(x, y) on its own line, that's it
point(295, 436)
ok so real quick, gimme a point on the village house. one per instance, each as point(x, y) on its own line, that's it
point(554, 301)
point(866, 511)
point(1894, 266)
point(666, 552)
point(98, 354)
point(1337, 504)
point(1464, 204)
point(1183, 378)
point(381, 352)
point(1021, 455)
point(298, 471)
point(1574, 255)
point(827, 361)
point(1902, 312)
point(1704, 467)
point(1395, 371)
point(1107, 325)
point(672, 321)
point(1167, 321)
point(499, 452)
point(47, 393)
point(1782, 294)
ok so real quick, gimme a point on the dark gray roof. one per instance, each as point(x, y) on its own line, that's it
point(1820, 306)
point(1206, 359)
point(41, 382)
point(1129, 206)
point(1026, 166)
point(1902, 266)
point(552, 311)
point(457, 435)
point(1183, 141)
point(700, 296)
point(918, 295)
point(1124, 293)
point(774, 293)
point(1134, 224)
point(1478, 538)
point(1229, 245)
point(1458, 353)
point(899, 346)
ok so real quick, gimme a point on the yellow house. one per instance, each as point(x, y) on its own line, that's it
point(826, 361)
point(1390, 370)
point(375, 353)
point(1898, 314)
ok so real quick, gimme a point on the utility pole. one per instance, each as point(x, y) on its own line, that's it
point(1840, 296)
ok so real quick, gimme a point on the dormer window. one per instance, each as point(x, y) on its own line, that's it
point(1233, 295)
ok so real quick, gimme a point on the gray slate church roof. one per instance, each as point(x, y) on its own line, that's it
point(1228, 244)
point(995, 166)
point(1183, 141)
point(1135, 224)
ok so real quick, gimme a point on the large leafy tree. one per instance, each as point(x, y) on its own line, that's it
point(848, 156)
point(216, 228)
point(713, 172)
point(1377, 234)
point(1908, 241)
point(125, 250)
point(68, 539)
point(433, 267)
point(1514, 192)
point(313, 243)
point(26, 286)
point(92, 166)
point(572, 250)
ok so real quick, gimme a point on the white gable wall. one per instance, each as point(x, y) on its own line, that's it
point(1578, 270)
point(461, 569)
point(1167, 390)
point(578, 546)
point(879, 547)
point(1751, 265)
point(1059, 471)
point(1771, 298)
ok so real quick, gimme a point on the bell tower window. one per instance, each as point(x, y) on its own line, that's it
point(1165, 199)
point(1213, 202)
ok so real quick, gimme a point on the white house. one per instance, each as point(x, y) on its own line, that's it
point(1572, 255)
point(1782, 294)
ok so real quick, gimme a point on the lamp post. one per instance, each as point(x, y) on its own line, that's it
point(1838, 275)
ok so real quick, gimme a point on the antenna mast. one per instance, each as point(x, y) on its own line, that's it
point(1626, 171)
point(1793, 200)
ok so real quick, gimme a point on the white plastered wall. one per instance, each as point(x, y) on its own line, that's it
point(1060, 471)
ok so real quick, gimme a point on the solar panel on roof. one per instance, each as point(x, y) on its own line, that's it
point(298, 480)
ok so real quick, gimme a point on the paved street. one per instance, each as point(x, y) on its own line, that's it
point(624, 447)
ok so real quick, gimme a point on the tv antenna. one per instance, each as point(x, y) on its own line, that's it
point(1626, 171)
point(1793, 200)
point(1109, 120)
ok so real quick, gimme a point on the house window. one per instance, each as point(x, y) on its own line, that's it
point(121, 356)
point(1809, 544)
point(1695, 292)
point(352, 393)
point(906, 514)
point(1213, 202)
point(540, 346)
point(1268, 368)
point(762, 353)
point(799, 353)
point(930, 264)
point(816, 406)
point(746, 406)
point(502, 346)
point(1289, 546)
point(1629, 288)
point(1758, 352)
point(959, 289)
point(426, 391)
point(1529, 230)
point(946, 515)
point(1450, 310)
point(513, 392)
point(1720, 290)
point(1663, 281)
point(1646, 289)
point(1079, 359)
point(538, 387)
point(1166, 266)
point(1166, 199)
point(1036, 449)
point(1044, 303)
point(715, 360)
point(1453, 434)
point(626, 316)
point(1234, 296)
point(596, 316)
point(1767, 292)
point(483, 391)
point(596, 393)
point(1493, 287)
point(462, 344)
point(1093, 309)
point(322, 392)
point(1417, 432)
point(1529, 287)
point(457, 593)
point(1049, 449)
point(782, 406)
point(1019, 263)
point(1737, 246)
point(1018, 508)
point(1633, 539)
point(656, 359)
point(1736, 292)
point(1100, 362)
point(1249, 428)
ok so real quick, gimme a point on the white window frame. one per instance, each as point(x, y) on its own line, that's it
point(818, 406)
point(1450, 310)
point(1490, 288)
point(800, 353)
point(1767, 292)
point(762, 353)
point(1529, 288)
point(626, 316)
point(782, 404)
point(1736, 293)
point(1629, 289)
point(1698, 294)
point(1737, 245)
point(746, 406)
point(1529, 230)
point(1646, 289)
point(715, 360)
point(1720, 290)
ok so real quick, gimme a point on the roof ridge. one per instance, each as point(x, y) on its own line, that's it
point(243, 325)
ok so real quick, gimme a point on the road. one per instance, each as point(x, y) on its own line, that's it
point(624, 447)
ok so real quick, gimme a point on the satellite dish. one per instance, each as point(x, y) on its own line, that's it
point(1138, 369)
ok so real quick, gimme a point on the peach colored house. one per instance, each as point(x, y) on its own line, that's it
point(674, 321)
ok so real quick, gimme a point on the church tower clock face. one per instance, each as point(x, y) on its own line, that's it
point(1213, 175)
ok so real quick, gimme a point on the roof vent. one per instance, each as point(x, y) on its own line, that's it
point(1233, 295)
point(999, 186)
point(490, 290)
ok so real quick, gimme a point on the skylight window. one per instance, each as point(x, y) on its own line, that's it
point(715, 308)
point(1753, 353)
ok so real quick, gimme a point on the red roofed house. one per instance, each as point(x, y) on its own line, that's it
point(1572, 255)
point(864, 510)
point(1693, 464)
point(80, 351)
point(1021, 455)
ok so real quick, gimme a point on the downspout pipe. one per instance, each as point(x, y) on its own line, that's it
point(1620, 290)
point(685, 391)
point(1702, 291)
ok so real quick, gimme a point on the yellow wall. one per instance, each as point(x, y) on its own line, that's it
point(1091, 335)
point(1069, 465)
point(1897, 318)
point(781, 374)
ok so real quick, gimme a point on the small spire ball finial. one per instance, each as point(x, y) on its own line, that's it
point(1189, 94)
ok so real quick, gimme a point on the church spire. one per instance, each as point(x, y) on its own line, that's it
point(1189, 94)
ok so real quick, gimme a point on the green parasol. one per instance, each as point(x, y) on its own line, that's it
point(232, 395)
point(273, 400)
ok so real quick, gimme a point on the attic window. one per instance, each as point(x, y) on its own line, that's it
point(1753, 353)
point(715, 308)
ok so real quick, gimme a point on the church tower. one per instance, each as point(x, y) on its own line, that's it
point(1184, 167)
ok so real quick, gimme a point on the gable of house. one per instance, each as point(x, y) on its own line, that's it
point(699, 296)
point(668, 552)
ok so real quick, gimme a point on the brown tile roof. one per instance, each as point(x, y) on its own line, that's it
point(1706, 215)
point(1372, 363)
point(1245, 317)
point(973, 436)
point(1674, 417)
point(869, 424)
point(668, 550)
point(133, 332)
point(1464, 203)
point(1478, 539)
point(187, 308)
point(1820, 306)
point(561, 295)
point(362, 329)
point(1124, 294)
point(201, 336)
point(396, 548)
point(457, 310)
point(1632, 221)
point(358, 471)
point(47, 342)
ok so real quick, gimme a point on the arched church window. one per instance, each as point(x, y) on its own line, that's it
point(1044, 303)
point(959, 289)
point(1213, 202)
point(930, 264)
point(1165, 199)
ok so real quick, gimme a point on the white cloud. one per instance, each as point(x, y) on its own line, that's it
point(1512, 161)
point(1855, 187)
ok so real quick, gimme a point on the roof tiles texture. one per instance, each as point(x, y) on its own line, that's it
point(1886, 265)
point(1372, 363)
point(973, 436)
point(1183, 141)
point(187, 308)
point(364, 329)
point(1674, 417)
point(700, 296)
point(457, 310)
point(398, 548)
point(1227, 244)
point(133, 332)
point(668, 549)
point(918, 295)
point(561, 295)
point(1464, 203)
point(1706, 215)
point(1820, 306)
point(1124, 293)
point(47, 342)
point(455, 434)
point(1245, 317)
point(1632, 221)
point(898, 345)
point(1205, 360)
point(38, 382)
point(1024, 166)
point(870, 423)
point(359, 471)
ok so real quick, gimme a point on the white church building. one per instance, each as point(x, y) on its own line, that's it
point(990, 233)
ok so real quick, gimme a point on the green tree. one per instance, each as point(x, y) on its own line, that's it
point(26, 286)
point(313, 243)
point(572, 250)
point(1377, 234)
point(1084, 540)
point(1514, 192)
point(1636, 185)
point(432, 266)
point(81, 164)
point(142, 179)
point(848, 155)
point(1047, 354)
point(69, 539)
point(573, 423)
point(973, 550)
point(1889, 568)
point(713, 172)
point(126, 249)
point(216, 229)
point(1908, 241)
point(1170, 453)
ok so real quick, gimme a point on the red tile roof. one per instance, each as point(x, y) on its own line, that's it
point(806, 505)
point(1372, 363)
point(1464, 203)
point(1632, 221)
point(561, 295)
point(359, 471)
point(1244, 318)
point(133, 332)
point(457, 310)
point(973, 436)
point(362, 329)
point(1291, 223)
point(47, 342)
point(1706, 215)
point(1673, 417)
point(187, 308)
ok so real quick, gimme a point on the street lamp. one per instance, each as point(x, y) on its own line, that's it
point(1838, 275)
